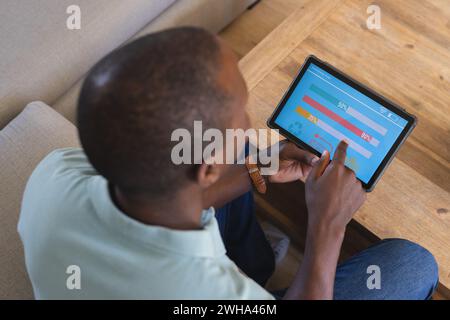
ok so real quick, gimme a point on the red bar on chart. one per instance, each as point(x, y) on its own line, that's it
point(346, 124)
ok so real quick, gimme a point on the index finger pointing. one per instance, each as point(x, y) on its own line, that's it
point(341, 152)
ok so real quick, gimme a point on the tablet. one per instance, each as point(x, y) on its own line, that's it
point(324, 106)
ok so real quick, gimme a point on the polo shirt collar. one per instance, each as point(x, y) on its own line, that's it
point(206, 242)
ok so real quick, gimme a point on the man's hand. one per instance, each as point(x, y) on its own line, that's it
point(333, 194)
point(295, 163)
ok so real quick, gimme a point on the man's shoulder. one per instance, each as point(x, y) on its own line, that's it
point(58, 165)
point(61, 160)
point(55, 180)
point(55, 195)
point(63, 154)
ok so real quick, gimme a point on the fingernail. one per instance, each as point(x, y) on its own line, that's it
point(324, 153)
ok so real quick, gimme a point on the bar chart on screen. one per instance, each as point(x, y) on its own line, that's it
point(335, 133)
point(329, 117)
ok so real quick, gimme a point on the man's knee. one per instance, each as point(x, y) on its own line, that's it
point(413, 252)
point(419, 262)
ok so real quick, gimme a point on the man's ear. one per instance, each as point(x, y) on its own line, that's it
point(207, 174)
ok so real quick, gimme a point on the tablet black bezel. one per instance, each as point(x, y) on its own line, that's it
point(411, 119)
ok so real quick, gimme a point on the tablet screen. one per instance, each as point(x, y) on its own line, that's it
point(322, 110)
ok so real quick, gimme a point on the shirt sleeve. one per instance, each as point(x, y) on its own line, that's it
point(253, 291)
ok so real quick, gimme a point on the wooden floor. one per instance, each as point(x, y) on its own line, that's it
point(242, 35)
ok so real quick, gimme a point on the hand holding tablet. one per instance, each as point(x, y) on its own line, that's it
point(323, 106)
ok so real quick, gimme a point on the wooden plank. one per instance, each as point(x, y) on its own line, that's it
point(289, 34)
point(407, 60)
point(255, 24)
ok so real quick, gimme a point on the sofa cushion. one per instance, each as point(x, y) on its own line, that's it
point(24, 142)
point(211, 15)
point(41, 58)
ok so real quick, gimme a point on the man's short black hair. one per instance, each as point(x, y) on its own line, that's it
point(133, 99)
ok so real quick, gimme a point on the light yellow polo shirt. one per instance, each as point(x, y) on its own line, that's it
point(79, 245)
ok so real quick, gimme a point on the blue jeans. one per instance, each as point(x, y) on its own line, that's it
point(407, 270)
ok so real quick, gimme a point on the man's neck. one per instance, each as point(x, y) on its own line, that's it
point(181, 212)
